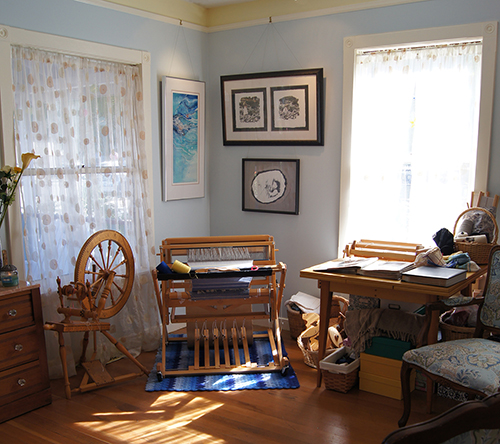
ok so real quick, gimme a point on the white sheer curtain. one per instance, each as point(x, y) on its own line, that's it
point(414, 141)
point(85, 119)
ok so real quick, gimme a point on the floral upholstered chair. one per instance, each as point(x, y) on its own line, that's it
point(469, 365)
point(472, 422)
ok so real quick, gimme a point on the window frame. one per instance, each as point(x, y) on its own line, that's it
point(485, 31)
point(16, 36)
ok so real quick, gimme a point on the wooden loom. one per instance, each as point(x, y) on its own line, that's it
point(392, 251)
point(221, 322)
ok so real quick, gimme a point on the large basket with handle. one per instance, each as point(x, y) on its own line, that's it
point(478, 252)
point(307, 340)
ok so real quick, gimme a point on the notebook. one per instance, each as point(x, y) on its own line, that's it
point(437, 276)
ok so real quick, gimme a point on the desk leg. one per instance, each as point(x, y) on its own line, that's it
point(324, 319)
point(432, 335)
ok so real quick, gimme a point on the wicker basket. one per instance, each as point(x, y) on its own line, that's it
point(340, 382)
point(479, 253)
point(310, 356)
point(451, 332)
point(295, 322)
point(339, 306)
point(340, 378)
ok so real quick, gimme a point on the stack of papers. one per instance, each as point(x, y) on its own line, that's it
point(348, 265)
point(386, 269)
point(371, 267)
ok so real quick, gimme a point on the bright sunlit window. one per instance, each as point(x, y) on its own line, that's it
point(412, 148)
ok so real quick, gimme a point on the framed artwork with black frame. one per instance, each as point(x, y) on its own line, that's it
point(271, 185)
point(183, 138)
point(273, 108)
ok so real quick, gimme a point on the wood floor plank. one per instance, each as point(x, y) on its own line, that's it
point(126, 413)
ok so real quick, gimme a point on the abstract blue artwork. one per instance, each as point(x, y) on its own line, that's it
point(183, 124)
point(185, 137)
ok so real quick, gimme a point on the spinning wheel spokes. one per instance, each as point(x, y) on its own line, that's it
point(107, 255)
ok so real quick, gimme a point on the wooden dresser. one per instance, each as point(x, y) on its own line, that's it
point(24, 378)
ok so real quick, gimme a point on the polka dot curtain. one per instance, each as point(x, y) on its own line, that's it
point(85, 119)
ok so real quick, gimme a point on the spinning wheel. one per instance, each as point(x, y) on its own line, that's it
point(104, 275)
point(106, 253)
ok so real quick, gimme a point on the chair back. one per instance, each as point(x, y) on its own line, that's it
point(489, 313)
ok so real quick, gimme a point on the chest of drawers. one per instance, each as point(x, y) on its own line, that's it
point(24, 379)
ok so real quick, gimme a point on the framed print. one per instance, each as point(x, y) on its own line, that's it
point(273, 108)
point(271, 185)
point(183, 125)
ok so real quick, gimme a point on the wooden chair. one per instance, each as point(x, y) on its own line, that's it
point(469, 365)
point(467, 423)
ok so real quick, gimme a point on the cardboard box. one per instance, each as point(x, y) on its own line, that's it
point(381, 376)
point(380, 366)
point(388, 347)
point(382, 386)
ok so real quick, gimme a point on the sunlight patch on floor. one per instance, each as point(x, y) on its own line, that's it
point(176, 412)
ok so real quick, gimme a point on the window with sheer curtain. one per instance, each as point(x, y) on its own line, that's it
point(413, 142)
point(85, 118)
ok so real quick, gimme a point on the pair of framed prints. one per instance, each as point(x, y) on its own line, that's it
point(274, 108)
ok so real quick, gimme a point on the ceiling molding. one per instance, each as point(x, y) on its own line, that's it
point(240, 15)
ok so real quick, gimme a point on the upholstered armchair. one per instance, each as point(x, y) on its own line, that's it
point(469, 365)
point(471, 422)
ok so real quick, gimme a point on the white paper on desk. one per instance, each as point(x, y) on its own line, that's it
point(306, 302)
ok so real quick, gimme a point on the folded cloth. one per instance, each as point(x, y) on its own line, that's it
point(363, 325)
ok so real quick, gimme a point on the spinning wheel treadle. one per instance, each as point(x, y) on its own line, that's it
point(103, 253)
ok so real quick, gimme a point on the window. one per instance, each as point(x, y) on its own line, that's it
point(82, 108)
point(416, 130)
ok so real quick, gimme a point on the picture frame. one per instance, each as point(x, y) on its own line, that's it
point(271, 185)
point(183, 138)
point(273, 108)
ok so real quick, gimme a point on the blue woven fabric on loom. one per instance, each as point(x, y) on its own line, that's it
point(179, 356)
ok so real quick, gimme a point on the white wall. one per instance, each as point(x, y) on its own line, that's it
point(311, 237)
point(175, 51)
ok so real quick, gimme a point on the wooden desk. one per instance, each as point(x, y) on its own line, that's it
point(380, 288)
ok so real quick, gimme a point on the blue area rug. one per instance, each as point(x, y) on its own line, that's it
point(179, 356)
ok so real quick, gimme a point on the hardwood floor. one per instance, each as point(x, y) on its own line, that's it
point(126, 413)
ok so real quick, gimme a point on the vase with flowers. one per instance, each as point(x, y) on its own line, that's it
point(9, 180)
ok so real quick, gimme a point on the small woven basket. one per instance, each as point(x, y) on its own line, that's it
point(311, 356)
point(478, 252)
point(340, 382)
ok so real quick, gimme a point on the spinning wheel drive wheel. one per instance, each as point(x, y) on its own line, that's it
point(106, 252)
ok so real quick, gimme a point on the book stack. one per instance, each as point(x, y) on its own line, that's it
point(437, 276)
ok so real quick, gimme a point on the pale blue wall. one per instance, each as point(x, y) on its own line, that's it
point(185, 59)
point(311, 237)
point(302, 240)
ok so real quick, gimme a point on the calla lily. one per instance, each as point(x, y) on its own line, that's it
point(9, 179)
point(27, 158)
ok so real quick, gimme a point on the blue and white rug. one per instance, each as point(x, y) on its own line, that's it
point(180, 357)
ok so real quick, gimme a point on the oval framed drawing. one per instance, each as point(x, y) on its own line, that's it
point(271, 185)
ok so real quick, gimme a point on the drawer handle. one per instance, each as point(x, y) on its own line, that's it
point(21, 382)
point(18, 347)
point(12, 312)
